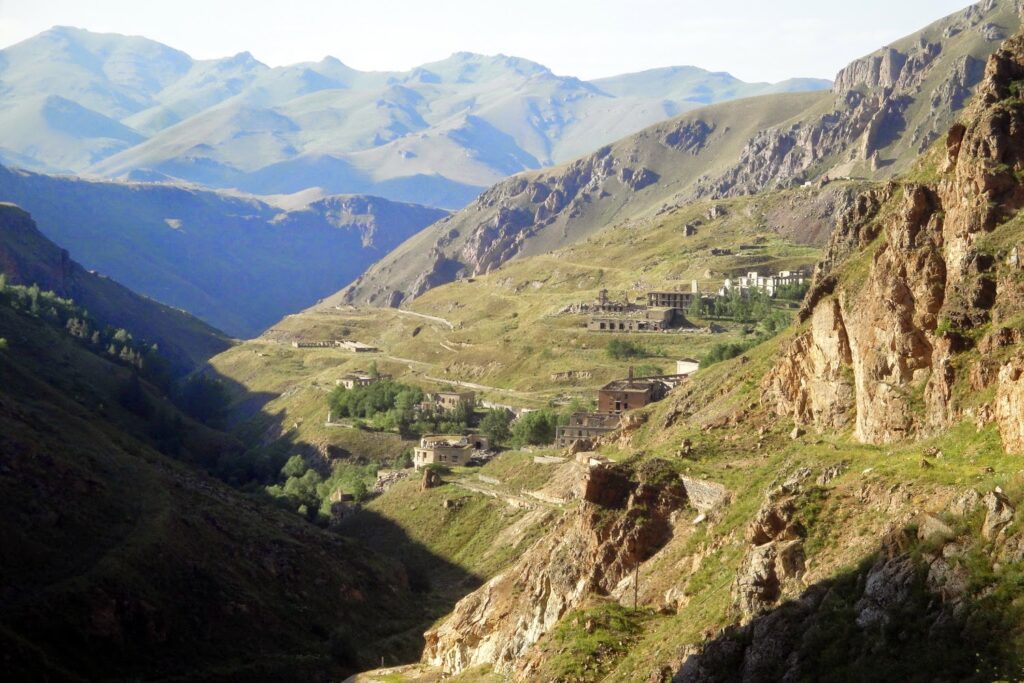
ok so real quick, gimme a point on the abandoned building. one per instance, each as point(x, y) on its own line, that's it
point(606, 305)
point(299, 344)
point(357, 347)
point(651, 320)
point(360, 378)
point(354, 346)
point(687, 366)
point(621, 395)
point(585, 427)
point(449, 401)
point(448, 449)
point(768, 284)
point(674, 298)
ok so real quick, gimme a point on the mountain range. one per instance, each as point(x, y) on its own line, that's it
point(834, 493)
point(884, 110)
point(73, 101)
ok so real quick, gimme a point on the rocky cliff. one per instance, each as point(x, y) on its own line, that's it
point(885, 109)
point(929, 281)
point(625, 518)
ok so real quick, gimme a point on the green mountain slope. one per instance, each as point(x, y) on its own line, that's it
point(841, 502)
point(122, 563)
point(27, 258)
point(235, 262)
point(883, 111)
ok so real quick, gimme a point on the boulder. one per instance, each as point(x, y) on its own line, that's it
point(998, 514)
point(431, 479)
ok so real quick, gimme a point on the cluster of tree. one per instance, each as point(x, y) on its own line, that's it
point(766, 328)
point(303, 489)
point(203, 398)
point(792, 292)
point(391, 405)
point(752, 306)
point(536, 428)
point(115, 343)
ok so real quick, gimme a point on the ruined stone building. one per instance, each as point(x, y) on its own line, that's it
point(361, 378)
point(449, 401)
point(621, 395)
point(650, 320)
point(687, 366)
point(586, 427)
point(606, 305)
point(322, 344)
point(448, 449)
point(674, 298)
point(357, 347)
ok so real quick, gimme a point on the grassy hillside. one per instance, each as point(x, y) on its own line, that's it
point(502, 334)
point(124, 563)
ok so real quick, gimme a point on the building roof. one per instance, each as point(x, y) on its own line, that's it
point(630, 385)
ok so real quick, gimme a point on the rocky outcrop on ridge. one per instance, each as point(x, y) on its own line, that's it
point(890, 336)
point(624, 520)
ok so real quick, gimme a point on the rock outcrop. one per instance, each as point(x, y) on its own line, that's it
point(624, 519)
point(775, 557)
point(906, 275)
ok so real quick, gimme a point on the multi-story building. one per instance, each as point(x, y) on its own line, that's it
point(586, 427)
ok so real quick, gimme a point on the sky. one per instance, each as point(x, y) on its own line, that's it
point(755, 40)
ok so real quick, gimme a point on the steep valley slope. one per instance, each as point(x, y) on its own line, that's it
point(840, 502)
point(124, 560)
point(883, 111)
point(28, 258)
point(237, 263)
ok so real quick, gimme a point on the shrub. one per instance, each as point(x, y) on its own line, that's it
point(621, 349)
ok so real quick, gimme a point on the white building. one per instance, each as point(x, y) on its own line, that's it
point(768, 284)
point(687, 366)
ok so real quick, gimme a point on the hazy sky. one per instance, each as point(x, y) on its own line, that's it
point(753, 39)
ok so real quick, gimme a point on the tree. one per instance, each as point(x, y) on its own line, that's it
point(295, 467)
point(205, 399)
point(495, 425)
point(405, 459)
point(535, 429)
point(359, 491)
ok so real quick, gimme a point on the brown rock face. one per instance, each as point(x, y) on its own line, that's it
point(896, 330)
point(811, 382)
point(1009, 405)
point(592, 549)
